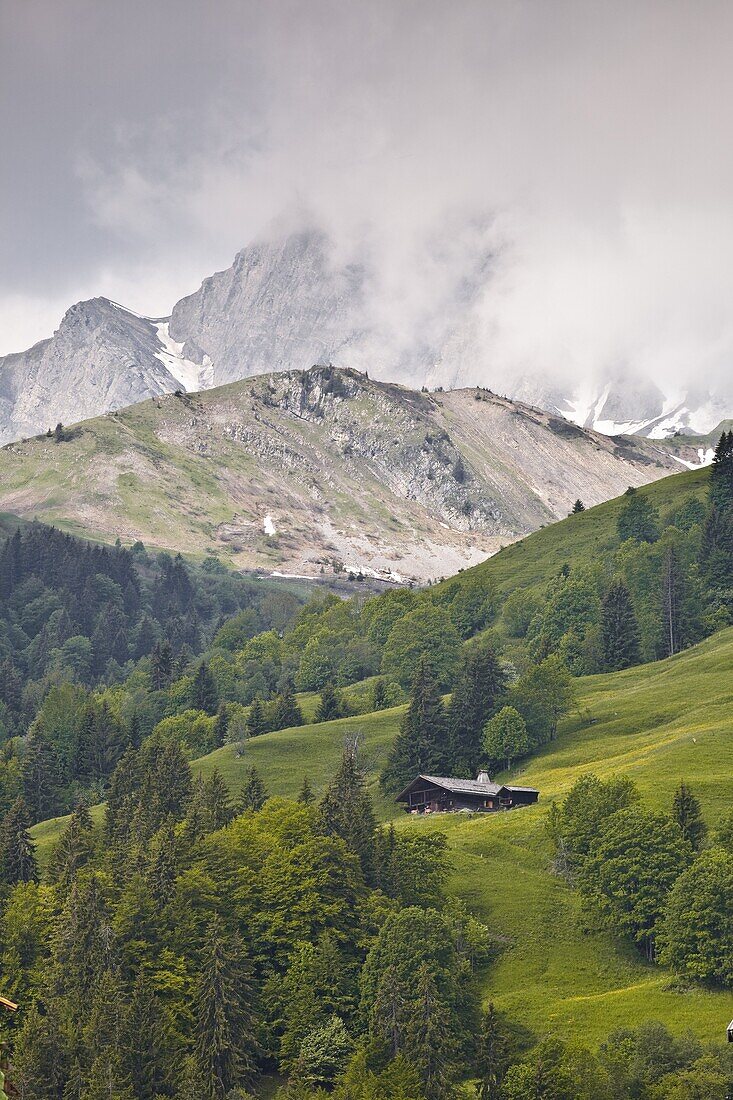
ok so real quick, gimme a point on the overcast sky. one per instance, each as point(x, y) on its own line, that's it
point(587, 144)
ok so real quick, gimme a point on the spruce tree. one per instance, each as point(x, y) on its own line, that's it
point(578, 506)
point(42, 778)
point(285, 711)
point(17, 851)
point(254, 794)
point(146, 1041)
point(479, 687)
point(162, 864)
point(161, 666)
point(673, 604)
point(217, 802)
point(226, 1046)
point(305, 794)
point(330, 705)
point(493, 1054)
point(430, 1041)
point(721, 473)
point(221, 726)
point(379, 694)
point(256, 721)
point(73, 849)
point(419, 747)
point(346, 810)
point(619, 629)
point(687, 813)
point(203, 690)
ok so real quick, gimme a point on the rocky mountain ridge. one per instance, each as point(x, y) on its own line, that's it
point(321, 471)
point(285, 304)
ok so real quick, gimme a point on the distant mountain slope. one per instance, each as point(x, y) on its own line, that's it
point(317, 470)
point(101, 357)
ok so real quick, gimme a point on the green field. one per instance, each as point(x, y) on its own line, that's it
point(656, 723)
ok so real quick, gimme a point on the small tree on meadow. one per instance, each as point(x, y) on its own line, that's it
point(505, 737)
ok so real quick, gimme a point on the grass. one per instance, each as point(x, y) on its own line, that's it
point(581, 538)
point(656, 723)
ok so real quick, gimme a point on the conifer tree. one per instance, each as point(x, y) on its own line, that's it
point(687, 813)
point(217, 801)
point(478, 689)
point(285, 711)
point(161, 666)
point(379, 694)
point(305, 794)
point(254, 794)
point(203, 690)
point(221, 725)
point(672, 604)
point(17, 851)
point(419, 747)
point(162, 866)
point(103, 1038)
point(147, 1042)
point(330, 705)
point(72, 851)
point(226, 1046)
point(493, 1055)
point(721, 473)
point(578, 506)
point(42, 778)
point(619, 629)
point(430, 1043)
point(346, 809)
point(256, 721)
point(39, 1058)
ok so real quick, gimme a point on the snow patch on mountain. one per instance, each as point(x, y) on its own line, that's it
point(192, 376)
point(706, 456)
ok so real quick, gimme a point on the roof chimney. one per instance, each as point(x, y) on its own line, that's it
point(483, 777)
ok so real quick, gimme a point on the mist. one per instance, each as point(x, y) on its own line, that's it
point(566, 169)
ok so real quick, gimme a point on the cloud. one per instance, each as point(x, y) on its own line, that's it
point(576, 151)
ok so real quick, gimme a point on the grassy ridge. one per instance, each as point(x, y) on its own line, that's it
point(580, 539)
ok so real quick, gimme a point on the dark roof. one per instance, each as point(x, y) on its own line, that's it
point(456, 786)
point(463, 786)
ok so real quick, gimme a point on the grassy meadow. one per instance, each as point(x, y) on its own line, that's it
point(657, 723)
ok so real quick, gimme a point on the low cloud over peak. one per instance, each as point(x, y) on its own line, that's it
point(565, 167)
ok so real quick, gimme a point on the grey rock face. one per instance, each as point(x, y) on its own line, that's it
point(101, 357)
point(278, 307)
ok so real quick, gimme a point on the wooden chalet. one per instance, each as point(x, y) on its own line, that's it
point(431, 794)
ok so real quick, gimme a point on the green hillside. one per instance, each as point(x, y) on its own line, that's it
point(656, 723)
point(580, 539)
